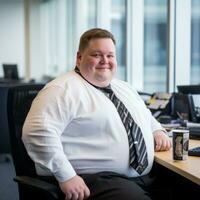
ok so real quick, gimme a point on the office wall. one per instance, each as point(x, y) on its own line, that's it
point(12, 33)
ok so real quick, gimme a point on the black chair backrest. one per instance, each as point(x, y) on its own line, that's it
point(18, 104)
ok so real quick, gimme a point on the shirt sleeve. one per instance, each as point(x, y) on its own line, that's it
point(48, 117)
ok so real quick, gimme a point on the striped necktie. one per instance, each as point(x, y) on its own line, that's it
point(137, 147)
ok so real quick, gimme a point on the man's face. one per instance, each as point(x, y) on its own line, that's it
point(97, 63)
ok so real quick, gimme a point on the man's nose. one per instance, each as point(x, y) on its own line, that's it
point(104, 59)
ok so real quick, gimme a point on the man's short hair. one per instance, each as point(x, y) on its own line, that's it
point(94, 33)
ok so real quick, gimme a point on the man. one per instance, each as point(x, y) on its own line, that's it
point(75, 131)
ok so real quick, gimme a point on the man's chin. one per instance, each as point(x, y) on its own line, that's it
point(103, 82)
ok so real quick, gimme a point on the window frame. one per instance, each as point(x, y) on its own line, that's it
point(179, 40)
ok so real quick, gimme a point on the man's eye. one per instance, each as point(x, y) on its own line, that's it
point(110, 56)
point(96, 55)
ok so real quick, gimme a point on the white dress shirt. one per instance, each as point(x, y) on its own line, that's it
point(73, 128)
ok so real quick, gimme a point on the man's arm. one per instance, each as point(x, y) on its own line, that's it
point(162, 141)
point(42, 138)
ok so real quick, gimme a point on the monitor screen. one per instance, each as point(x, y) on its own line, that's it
point(189, 89)
point(195, 107)
point(180, 106)
point(196, 101)
point(10, 71)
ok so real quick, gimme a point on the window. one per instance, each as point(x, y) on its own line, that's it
point(150, 48)
point(118, 28)
point(155, 45)
point(81, 15)
point(195, 42)
point(63, 31)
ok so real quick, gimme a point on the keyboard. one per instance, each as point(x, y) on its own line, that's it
point(194, 132)
point(194, 151)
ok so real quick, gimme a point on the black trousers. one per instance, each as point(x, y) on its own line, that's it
point(113, 186)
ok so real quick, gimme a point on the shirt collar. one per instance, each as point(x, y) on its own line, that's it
point(104, 89)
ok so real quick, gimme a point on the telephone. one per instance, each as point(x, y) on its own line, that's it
point(159, 103)
point(175, 106)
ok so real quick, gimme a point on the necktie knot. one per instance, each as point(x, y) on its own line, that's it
point(107, 90)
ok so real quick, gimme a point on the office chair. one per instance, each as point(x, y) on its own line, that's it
point(30, 185)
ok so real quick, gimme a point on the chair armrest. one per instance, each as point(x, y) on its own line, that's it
point(39, 184)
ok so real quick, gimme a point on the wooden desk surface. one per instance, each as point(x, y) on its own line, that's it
point(189, 168)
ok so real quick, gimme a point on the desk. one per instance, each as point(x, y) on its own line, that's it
point(189, 168)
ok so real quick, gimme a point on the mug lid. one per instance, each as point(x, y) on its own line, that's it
point(180, 130)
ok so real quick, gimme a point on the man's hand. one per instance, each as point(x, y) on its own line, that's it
point(75, 189)
point(162, 141)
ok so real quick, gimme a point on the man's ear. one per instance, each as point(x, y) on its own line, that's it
point(78, 58)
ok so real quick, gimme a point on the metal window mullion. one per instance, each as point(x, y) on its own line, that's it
point(27, 39)
point(135, 43)
point(45, 38)
point(171, 46)
point(36, 59)
point(183, 42)
point(81, 19)
point(104, 14)
point(61, 36)
point(77, 23)
point(70, 33)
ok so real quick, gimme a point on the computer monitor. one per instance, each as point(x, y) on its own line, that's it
point(194, 102)
point(189, 89)
point(180, 106)
point(193, 95)
point(10, 71)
